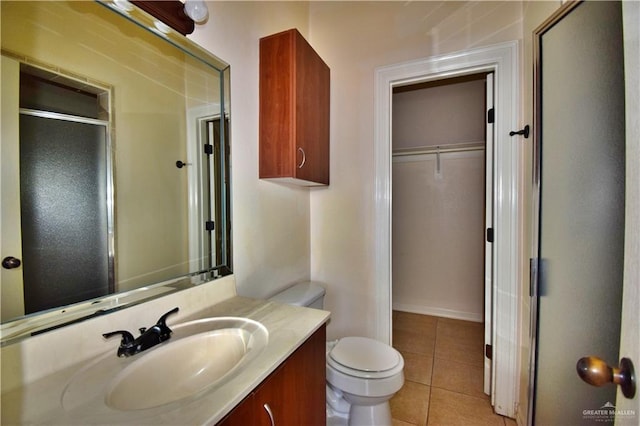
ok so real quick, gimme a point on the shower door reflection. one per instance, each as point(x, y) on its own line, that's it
point(65, 190)
point(63, 198)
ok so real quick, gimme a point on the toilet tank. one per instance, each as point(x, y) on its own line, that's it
point(309, 294)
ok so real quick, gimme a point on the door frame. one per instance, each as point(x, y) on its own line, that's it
point(629, 333)
point(197, 117)
point(488, 223)
point(502, 60)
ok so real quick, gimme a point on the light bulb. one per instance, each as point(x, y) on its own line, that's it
point(123, 5)
point(196, 10)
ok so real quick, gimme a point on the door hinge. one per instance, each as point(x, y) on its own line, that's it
point(533, 276)
point(490, 116)
point(489, 235)
point(209, 225)
point(208, 149)
point(488, 351)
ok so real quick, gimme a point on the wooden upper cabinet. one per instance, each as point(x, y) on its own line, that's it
point(294, 111)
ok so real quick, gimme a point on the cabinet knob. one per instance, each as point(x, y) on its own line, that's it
point(304, 158)
point(270, 413)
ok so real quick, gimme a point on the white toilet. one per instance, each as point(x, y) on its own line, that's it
point(362, 374)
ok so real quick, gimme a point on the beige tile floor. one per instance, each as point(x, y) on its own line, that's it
point(443, 373)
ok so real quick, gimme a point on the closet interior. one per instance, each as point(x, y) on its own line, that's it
point(438, 207)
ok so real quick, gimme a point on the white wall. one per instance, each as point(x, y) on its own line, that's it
point(439, 115)
point(283, 235)
point(438, 235)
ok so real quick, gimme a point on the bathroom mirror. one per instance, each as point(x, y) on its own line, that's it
point(115, 162)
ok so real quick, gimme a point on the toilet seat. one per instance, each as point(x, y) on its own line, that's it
point(365, 358)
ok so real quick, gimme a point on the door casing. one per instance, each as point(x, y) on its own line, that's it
point(502, 60)
point(630, 324)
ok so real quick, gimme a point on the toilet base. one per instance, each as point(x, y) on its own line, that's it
point(370, 415)
point(336, 419)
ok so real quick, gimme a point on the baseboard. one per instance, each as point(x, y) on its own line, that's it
point(439, 312)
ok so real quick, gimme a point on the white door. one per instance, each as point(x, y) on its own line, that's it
point(488, 248)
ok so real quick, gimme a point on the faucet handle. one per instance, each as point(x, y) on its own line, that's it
point(127, 337)
point(161, 325)
point(162, 322)
point(164, 332)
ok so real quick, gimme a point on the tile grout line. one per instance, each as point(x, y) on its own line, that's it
point(431, 386)
point(433, 362)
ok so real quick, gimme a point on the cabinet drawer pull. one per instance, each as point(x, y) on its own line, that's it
point(268, 410)
point(304, 158)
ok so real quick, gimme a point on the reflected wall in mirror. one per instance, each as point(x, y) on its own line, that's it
point(115, 162)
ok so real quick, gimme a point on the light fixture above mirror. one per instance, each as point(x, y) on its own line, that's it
point(177, 14)
point(196, 10)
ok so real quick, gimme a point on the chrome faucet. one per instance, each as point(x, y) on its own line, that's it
point(148, 338)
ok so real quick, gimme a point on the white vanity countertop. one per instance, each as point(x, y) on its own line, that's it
point(289, 326)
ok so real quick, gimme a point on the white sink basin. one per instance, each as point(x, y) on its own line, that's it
point(200, 355)
point(178, 370)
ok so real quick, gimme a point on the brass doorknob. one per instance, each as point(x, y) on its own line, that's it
point(596, 372)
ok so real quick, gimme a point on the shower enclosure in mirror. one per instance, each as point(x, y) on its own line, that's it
point(115, 162)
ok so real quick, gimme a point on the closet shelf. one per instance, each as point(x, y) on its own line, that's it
point(434, 149)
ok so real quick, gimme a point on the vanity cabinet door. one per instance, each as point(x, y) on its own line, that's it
point(294, 111)
point(269, 400)
point(294, 394)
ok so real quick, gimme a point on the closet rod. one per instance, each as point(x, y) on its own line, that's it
point(459, 147)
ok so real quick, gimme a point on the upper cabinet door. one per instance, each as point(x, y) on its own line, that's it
point(294, 111)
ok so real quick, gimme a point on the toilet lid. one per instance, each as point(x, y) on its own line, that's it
point(364, 354)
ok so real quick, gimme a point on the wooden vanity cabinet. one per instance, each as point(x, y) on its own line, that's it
point(295, 392)
point(294, 111)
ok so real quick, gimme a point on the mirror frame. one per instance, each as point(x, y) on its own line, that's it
point(30, 325)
